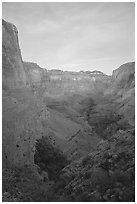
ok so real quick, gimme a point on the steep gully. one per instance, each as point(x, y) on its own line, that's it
point(38, 104)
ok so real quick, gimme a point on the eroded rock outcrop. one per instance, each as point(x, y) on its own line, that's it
point(125, 73)
point(123, 79)
point(122, 91)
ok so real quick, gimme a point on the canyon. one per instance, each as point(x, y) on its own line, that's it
point(78, 113)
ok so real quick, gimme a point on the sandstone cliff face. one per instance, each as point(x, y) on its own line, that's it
point(13, 74)
point(75, 82)
point(59, 83)
point(35, 75)
point(23, 113)
point(22, 123)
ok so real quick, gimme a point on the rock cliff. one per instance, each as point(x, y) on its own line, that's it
point(124, 72)
point(58, 82)
point(23, 113)
point(13, 74)
point(122, 90)
point(35, 75)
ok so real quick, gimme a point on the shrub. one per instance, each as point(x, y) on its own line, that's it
point(49, 158)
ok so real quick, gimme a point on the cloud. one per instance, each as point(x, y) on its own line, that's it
point(74, 34)
point(43, 27)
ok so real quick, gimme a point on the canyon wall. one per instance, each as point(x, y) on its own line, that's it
point(13, 73)
point(23, 113)
point(122, 90)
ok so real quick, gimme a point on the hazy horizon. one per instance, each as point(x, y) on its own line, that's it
point(74, 36)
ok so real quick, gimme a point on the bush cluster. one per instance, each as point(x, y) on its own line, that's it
point(49, 158)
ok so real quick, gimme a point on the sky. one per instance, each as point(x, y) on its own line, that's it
point(74, 36)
